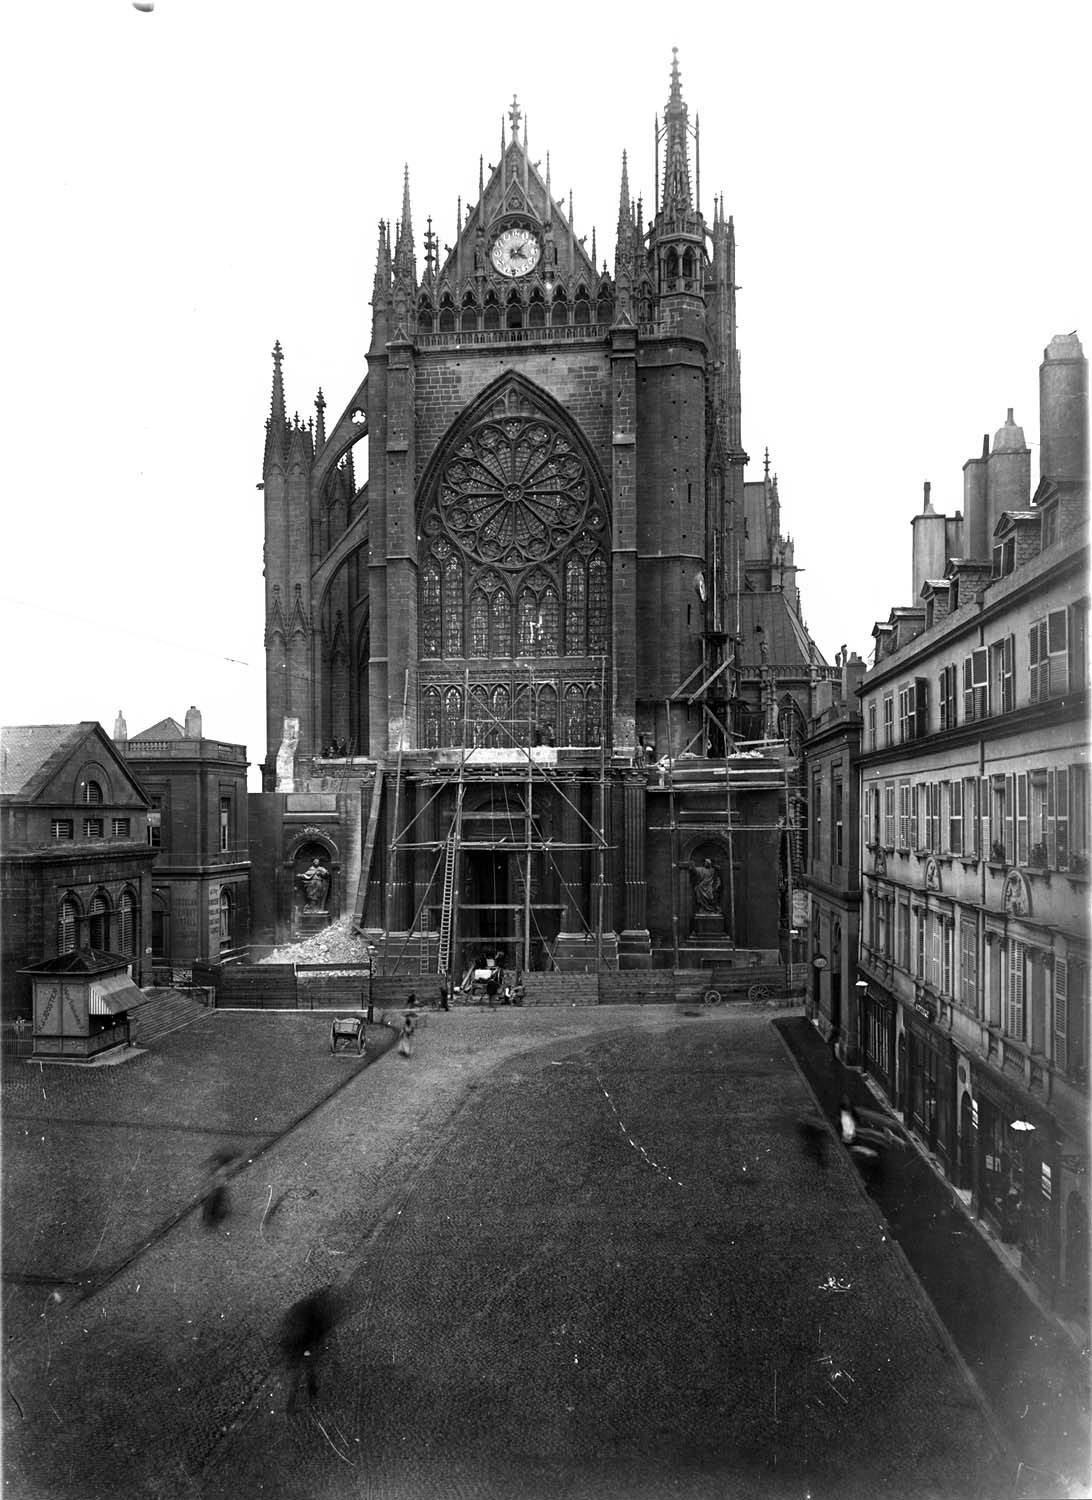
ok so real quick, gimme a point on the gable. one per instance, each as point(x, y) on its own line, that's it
point(55, 764)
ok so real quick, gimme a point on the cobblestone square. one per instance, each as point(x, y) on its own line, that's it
point(576, 1253)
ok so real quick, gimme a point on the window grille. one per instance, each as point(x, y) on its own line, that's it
point(61, 828)
point(92, 828)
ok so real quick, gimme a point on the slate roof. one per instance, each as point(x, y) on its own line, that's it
point(79, 961)
point(786, 635)
point(30, 752)
point(166, 729)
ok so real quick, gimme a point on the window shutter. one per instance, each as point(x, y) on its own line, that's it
point(1022, 818)
point(1061, 1017)
point(1061, 816)
point(1010, 817)
point(921, 707)
point(1035, 660)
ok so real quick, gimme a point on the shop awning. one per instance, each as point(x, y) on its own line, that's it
point(113, 995)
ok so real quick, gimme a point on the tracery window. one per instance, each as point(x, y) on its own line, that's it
point(480, 717)
point(559, 312)
point(453, 602)
point(597, 604)
point(574, 716)
point(576, 600)
point(514, 565)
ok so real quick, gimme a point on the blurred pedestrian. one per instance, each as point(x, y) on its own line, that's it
point(405, 1041)
point(847, 1119)
point(216, 1203)
point(304, 1331)
point(834, 1038)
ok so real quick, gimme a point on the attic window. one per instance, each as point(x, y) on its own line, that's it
point(1050, 525)
point(92, 794)
point(1004, 558)
point(61, 828)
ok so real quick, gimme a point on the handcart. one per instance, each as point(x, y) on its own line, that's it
point(347, 1032)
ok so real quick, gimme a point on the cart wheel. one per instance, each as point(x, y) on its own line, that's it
point(759, 992)
point(712, 996)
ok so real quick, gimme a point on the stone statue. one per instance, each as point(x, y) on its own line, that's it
point(316, 883)
point(706, 881)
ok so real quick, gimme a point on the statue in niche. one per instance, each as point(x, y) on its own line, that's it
point(316, 885)
point(706, 882)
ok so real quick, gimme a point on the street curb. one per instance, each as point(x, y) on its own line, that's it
point(946, 1339)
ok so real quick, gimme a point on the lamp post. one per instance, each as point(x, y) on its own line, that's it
point(371, 977)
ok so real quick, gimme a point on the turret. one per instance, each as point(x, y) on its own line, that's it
point(677, 240)
point(121, 731)
point(381, 291)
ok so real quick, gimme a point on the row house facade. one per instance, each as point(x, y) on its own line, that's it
point(833, 866)
point(974, 802)
point(76, 865)
point(197, 827)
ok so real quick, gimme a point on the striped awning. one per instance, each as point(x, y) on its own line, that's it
point(113, 995)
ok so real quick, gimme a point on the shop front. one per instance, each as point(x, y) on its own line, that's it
point(1018, 1174)
point(930, 1084)
point(877, 1036)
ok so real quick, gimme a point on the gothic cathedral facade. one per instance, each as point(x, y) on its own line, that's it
point(533, 639)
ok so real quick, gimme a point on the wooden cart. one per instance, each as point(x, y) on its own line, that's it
point(347, 1032)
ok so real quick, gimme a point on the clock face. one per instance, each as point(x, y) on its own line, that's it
point(515, 251)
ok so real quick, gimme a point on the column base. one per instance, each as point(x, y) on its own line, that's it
point(635, 948)
point(581, 952)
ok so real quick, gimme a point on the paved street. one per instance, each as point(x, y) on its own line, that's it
point(576, 1252)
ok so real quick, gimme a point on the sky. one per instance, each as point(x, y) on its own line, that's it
point(191, 183)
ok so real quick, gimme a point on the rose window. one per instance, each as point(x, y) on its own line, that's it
point(515, 492)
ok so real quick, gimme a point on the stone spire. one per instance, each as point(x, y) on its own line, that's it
point(276, 427)
point(677, 200)
point(320, 421)
point(405, 261)
point(381, 291)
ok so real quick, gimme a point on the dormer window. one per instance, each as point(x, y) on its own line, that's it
point(1004, 557)
point(1050, 524)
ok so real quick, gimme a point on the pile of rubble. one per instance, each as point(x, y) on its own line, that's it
point(338, 943)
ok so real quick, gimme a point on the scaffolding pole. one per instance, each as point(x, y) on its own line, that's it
point(394, 821)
